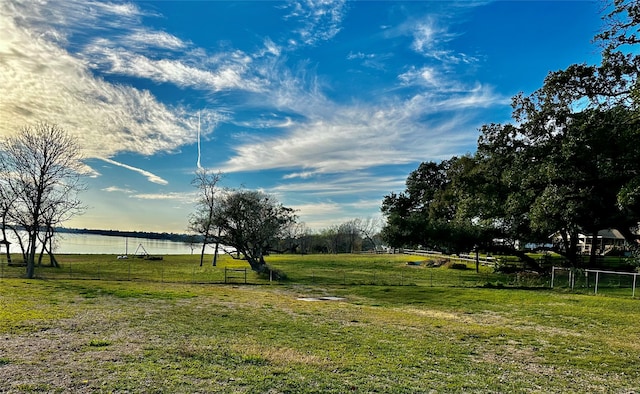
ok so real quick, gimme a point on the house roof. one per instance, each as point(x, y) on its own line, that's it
point(611, 233)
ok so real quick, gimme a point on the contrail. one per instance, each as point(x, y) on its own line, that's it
point(199, 166)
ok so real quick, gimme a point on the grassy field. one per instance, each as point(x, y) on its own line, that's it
point(330, 269)
point(73, 335)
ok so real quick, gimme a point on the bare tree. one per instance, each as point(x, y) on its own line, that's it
point(41, 166)
point(369, 228)
point(7, 200)
point(350, 233)
point(54, 213)
point(201, 221)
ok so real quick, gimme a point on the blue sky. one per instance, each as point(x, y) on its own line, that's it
point(326, 104)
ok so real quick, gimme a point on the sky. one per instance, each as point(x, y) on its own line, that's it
point(328, 105)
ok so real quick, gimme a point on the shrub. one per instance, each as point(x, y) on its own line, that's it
point(458, 266)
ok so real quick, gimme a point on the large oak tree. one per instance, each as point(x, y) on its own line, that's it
point(251, 222)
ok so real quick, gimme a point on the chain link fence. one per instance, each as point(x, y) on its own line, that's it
point(412, 274)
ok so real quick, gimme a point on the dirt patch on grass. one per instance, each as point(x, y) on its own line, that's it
point(61, 355)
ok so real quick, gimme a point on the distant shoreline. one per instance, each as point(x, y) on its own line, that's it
point(186, 238)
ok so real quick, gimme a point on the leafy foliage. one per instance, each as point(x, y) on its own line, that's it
point(568, 165)
point(251, 222)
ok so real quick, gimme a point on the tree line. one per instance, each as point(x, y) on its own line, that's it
point(568, 164)
point(253, 224)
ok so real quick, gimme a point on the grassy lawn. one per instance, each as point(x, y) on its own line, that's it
point(330, 269)
point(76, 335)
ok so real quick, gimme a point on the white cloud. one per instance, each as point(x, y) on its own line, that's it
point(115, 60)
point(320, 19)
point(116, 189)
point(340, 139)
point(342, 184)
point(150, 176)
point(430, 38)
point(324, 214)
point(41, 81)
point(143, 39)
point(175, 196)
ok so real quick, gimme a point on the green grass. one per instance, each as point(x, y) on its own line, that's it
point(91, 335)
point(344, 269)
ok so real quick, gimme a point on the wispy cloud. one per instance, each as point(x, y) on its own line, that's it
point(43, 81)
point(360, 183)
point(150, 176)
point(229, 75)
point(59, 61)
point(429, 39)
point(320, 19)
point(145, 39)
point(174, 196)
point(341, 139)
point(116, 189)
point(324, 214)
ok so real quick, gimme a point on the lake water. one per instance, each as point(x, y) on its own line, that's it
point(102, 244)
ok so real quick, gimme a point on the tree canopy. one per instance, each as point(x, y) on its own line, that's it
point(568, 164)
point(251, 222)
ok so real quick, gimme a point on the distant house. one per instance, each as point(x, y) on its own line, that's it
point(607, 241)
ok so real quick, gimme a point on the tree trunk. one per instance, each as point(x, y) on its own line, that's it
point(257, 262)
point(204, 245)
point(20, 243)
point(41, 254)
point(477, 260)
point(52, 258)
point(215, 255)
point(592, 252)
point(572, 248)
point(31, 254)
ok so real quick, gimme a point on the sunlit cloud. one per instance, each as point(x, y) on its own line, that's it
point(41, 81)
